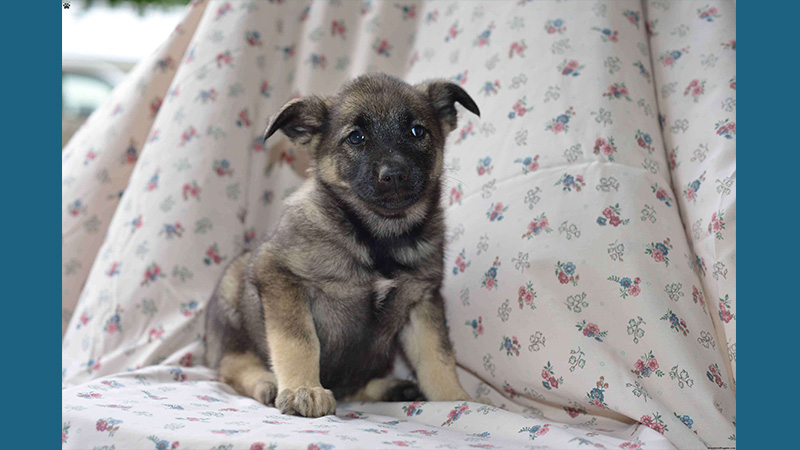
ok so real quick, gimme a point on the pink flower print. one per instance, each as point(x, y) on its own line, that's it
point(188, 135)
point(244, 119)
point(652, 364)
point(257, 446)
point(222, 10)
point(452, 33)
point(155, 105)
point(658, 256)
point(654, 422)
point(600, 142)
point(382, 47)
point(668, 60)
point(561, 122)
point(496, 211)
point(520, 109)
point(489, 283)
point(101, 425)
point(224, 59)
point(155, 333)
point(634, 290)
point(186, 360)
point(639, 365)
point(517, 48)
point(591, 329)
point(338, 28)
point(563, 278)
point(152, 273)
point(456, 414)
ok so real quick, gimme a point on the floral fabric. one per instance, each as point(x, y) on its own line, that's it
point(697, 99)
point(98, 161)
point(572, 290)
point(164, 407)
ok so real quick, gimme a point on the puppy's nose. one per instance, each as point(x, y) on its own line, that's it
point(393, 175)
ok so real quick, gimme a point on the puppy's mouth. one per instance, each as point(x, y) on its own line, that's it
point(394, 204)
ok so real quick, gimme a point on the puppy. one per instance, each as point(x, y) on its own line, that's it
point(353, 272)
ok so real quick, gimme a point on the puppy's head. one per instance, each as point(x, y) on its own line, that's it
point(379, 141)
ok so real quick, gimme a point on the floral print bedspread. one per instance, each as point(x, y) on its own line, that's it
point(179, 408)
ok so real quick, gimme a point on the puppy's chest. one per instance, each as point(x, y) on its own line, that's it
point(374, 310)
point(365, 303)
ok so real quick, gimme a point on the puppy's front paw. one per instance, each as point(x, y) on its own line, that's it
point(306, 401)
point(265, 392)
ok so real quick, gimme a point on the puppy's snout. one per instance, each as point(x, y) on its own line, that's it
point(395, 175)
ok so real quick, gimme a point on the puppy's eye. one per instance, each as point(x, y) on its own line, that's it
point(356, 138)
point(417, 131)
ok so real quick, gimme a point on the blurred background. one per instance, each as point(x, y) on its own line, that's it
point(90, 65)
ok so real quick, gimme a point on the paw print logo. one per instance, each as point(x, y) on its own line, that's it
point(66, 4)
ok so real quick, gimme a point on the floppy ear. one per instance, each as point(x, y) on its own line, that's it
point(443, 95)
point(301, 119)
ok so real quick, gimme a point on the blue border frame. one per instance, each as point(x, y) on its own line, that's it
point(766, 388)
point(766, 297)
point(32, 99)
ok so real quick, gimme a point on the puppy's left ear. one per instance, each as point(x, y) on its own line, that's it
point(443, 95)
point(301, 119)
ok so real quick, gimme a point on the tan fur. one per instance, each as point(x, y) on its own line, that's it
point(293, 345)
point(230, 285)
point(374, 391)
point(247, 374)
point(436, 367)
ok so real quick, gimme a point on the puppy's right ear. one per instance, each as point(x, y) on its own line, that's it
point(301, 119)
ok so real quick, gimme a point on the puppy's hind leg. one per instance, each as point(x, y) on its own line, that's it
point(387, 389)
point(249, 376)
